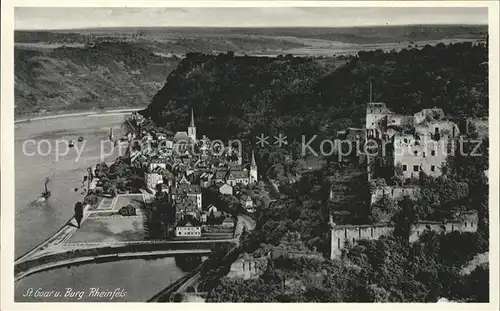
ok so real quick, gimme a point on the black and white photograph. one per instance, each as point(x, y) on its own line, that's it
point(331, 153)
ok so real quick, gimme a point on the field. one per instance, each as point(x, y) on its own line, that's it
point(105, 225)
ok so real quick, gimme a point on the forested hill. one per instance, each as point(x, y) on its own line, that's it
point(104, 75)
point(242, 96)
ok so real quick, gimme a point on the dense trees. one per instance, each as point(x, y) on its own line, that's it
point(384, 270)
point(242, 97)
point(160, 217)
point(246, 96)
point(121, 176)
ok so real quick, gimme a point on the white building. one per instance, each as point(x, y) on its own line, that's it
point(225, 188)
point(188, 228)
point(153, 179)
point(157, 163)
point(246, 201)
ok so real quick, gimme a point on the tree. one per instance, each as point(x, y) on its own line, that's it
point(404, 219)
point(384, 209)
point(178, 297)
point(78, 212)
point(398, 178)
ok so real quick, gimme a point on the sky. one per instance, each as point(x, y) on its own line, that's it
point(68, 18)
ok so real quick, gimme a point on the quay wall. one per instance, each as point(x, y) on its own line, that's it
point(100, 258)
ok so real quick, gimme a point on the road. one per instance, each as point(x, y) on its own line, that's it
point(244, 222)
point(76, 114)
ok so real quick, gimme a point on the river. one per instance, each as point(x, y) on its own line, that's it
point(139, 279)
point(34, 223)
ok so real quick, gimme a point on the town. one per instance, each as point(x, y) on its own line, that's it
point(178, 172)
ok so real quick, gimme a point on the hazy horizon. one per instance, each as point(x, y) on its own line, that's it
point(64, 18)
point(248, 27)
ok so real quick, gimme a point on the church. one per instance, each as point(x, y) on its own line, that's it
point(183, 141)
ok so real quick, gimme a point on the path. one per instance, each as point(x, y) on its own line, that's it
point(181, 285)
point(77, 114)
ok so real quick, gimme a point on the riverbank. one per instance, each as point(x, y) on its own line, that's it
point(77, 114)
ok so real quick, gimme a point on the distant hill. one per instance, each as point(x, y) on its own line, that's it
point(102, 76)
point(364, 35)
point(117, 67)
point(245, 96)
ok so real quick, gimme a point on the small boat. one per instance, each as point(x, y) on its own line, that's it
point(80, 139)
point(46, 193)
point(71, 144)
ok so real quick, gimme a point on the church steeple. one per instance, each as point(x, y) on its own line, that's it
point(253, 170)
point(192, 119)
point(192, 127)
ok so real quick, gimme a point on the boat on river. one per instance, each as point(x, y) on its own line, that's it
point(46, 193)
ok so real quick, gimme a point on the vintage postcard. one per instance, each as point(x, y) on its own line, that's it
point(275, 152)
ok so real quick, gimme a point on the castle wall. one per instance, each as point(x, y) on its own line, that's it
point(445, 128)
point(341, 235)
point(375, 112)
point(393, 192)
point(434, 113)
point(247, 268)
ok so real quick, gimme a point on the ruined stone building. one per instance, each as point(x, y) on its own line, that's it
point(414, 144)
point(344, 235)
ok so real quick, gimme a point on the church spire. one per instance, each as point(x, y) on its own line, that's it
point(253, 160)
point(192, 119)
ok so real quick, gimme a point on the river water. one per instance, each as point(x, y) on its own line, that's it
point(35, 222)
point(138, 278)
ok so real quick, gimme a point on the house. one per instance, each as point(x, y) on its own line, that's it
point(246, 201)
point(206, 179)
point(161, 136)
point(152, 179)
point(164, 188)
point(184, 180)
point(236, 174)
point(188, 227)
point(193, 191)
point(185, 206)
point(165, 148)
point(211, 208)
point(203, 217)
point(225, 188)
point(157, 163)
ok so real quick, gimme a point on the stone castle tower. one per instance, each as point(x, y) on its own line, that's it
point(253, 170)
point(192, 127)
